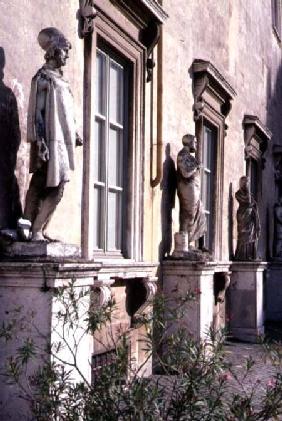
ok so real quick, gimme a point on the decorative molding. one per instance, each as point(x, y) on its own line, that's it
point(150, 38)
point(256, 137)
point(86, 15)
point(149, 16)
point(156, 9)
point(206, 78)
point(102, 287)
point(146, 9)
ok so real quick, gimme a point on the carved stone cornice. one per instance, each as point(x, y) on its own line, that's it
point(148, 15)
point(256, 137)
point(156, 9)
point(206, 78)
point(142, 10)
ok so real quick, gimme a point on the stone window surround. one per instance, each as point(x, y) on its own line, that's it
point(256, 139)
point(116, 23)
point(212, 104)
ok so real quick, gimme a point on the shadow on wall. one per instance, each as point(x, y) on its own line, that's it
point(10, 138)
point(168, 187)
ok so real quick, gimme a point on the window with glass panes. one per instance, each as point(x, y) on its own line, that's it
point(208, 178)
point(110, 140)
point(254, 177)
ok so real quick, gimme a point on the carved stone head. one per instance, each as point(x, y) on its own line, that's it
point(55, 44)
point(244, 183)
point(190, 142)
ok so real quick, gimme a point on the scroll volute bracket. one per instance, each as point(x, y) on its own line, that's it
point(150, 37)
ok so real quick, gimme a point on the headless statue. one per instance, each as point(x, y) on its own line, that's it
point(51, 133)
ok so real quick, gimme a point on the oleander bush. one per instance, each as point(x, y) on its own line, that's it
point(194, 380)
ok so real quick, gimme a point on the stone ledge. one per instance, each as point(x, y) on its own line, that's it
point(41, 249)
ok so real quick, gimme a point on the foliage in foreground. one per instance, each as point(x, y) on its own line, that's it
point(194, 385)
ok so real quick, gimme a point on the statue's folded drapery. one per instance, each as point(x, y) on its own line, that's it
point(248, 225)
point(60, 133)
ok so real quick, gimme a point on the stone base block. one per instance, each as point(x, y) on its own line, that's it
point(181, 277)
point(273, 292)
point(246, 307)
point(247, 335)
point(41, 249)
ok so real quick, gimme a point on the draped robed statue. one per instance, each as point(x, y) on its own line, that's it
point(192, 220)
point(51, 133)
point(248, 223)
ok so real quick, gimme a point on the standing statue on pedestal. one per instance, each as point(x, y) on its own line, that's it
point(248, 223)
point(51, 133)
point(192, 219)
point(278, 229)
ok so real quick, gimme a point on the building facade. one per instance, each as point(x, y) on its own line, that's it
point(143, 74)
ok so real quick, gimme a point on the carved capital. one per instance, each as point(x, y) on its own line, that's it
point(86, 15)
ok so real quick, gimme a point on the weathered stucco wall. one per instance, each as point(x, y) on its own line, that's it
point(238, 39)
point(20, 58)
point(236, 36)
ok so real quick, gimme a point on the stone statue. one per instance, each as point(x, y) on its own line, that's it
point(278, 229)
point(51, 133)
point(192, 219)
point(248, 223)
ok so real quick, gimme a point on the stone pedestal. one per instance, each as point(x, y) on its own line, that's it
point(273, 292)
point(27, 294)
point(182, 276)
point(246, 307)
point(181, 244)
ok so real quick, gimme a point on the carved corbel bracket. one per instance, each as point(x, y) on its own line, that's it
point(210, 87)
point(102, 291)
point(86, 15)
point(150, 285)
point(220, 287)
point(150, 37)
point(256, 138)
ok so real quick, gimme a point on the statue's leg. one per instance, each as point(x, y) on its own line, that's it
point(47, 208)
point(34, 195)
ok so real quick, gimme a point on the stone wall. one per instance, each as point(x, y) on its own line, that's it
point(238, 39)
point(20, 58)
